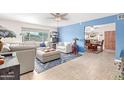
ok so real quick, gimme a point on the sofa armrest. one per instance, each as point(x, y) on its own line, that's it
point(26, 59)
point(68, 47)
point(21, 47)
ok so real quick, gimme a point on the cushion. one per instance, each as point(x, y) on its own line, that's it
point(61, 44)
point(5, 49)
point(47, 44)
point(21, 47)
point(32, 43)
point(60, 47)
point(45, 54)
point(67, 43)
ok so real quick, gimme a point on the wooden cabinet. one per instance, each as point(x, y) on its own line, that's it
point(110, 40)
point(10, 73)
point(10, 70)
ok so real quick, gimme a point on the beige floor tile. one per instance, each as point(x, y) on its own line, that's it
point(87, 67)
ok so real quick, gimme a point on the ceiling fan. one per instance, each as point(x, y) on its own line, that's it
point(59, 16)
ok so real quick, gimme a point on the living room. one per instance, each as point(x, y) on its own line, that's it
point(49, 43)
point(64, 46)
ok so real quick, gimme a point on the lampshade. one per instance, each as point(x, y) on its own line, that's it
point(6, 33)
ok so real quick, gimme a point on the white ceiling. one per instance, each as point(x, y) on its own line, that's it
point(43, 18)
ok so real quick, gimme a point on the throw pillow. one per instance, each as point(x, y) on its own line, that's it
point(42, 44)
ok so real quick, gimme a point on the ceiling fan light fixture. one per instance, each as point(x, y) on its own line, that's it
point(57, 19)
point(59, 16)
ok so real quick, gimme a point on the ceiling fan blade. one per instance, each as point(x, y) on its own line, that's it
point(57, 13)
point(64, 18)
point(58, 16)
point(53, 14)
point(64, 14)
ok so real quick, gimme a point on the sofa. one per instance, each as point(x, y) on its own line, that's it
point(64, 47)
point(26, 56)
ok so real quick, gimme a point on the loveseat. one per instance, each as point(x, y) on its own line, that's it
point(64, 47)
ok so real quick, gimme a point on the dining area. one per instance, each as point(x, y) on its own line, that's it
point(94, 46)
point(100, 37)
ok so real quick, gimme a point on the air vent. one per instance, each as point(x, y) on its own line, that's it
point(121, 17)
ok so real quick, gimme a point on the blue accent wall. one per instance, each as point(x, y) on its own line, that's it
point(67, 33)
point(119, 38)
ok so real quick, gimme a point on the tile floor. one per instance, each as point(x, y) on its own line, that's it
point(87, 67)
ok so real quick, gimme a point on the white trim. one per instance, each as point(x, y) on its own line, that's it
point(81, 53)
point(117, 60)
point(27, 29)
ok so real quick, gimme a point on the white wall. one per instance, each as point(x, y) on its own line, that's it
point(100, 29)
point(16, 27)
point(105, 27)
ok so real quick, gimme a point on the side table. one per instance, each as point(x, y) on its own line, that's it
point(10, 70)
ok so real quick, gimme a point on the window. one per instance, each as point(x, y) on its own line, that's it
point(34, 35)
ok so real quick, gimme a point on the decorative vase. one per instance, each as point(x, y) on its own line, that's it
point(1, 45)
point(1, 61)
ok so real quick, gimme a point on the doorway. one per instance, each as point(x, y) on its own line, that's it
point(103, 35)
point(109, 40)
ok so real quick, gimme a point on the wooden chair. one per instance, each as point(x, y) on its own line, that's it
point(90, 47)
point(87, 43)
point(101, 46)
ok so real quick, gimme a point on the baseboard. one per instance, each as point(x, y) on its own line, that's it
point(27, 72)
point(81, 53)
point(117, 60)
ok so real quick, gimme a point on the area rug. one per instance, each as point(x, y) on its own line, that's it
point(40, 67)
